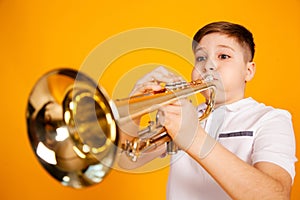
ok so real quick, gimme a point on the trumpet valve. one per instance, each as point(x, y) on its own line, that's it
point(176, 85)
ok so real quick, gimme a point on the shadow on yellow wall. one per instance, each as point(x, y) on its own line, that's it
point(37, 36)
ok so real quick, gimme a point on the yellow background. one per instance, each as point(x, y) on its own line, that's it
point(37, 36)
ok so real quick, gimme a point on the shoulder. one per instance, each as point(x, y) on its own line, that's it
point(274, 140)
point(264, 112)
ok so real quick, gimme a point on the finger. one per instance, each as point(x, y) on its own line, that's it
point(160, 117)
point(181, 102)
point(145, 88)
point(159, 75)
point(171, 109)
point(159, 78)
point(177, 107)
point(166, 76)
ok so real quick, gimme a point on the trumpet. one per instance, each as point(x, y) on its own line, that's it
point(74, 127)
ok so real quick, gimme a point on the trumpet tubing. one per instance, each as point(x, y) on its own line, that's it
point(75, 128)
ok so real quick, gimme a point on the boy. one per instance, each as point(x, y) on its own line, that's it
point(244, 150)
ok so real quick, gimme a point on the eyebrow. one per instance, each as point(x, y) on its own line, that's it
point(225, 46)
point(221, 46)
point(199, 49)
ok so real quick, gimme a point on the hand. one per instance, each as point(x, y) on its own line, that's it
point(152, 80)
point(181, 122)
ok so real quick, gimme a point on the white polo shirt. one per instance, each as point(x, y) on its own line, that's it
point(252, 131)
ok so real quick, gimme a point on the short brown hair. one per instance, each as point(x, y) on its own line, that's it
point(242, 35)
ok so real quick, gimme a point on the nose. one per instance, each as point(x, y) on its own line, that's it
point(203, 69)
point(209, 66)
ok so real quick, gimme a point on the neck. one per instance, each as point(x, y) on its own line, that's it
point(227, 101)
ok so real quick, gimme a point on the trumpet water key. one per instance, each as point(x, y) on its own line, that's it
point(75, 128)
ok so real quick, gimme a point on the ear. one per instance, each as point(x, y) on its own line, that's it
point(251, 69)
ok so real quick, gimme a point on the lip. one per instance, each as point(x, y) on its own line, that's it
point(209, 78)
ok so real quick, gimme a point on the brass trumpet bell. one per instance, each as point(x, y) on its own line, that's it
point(71, 128)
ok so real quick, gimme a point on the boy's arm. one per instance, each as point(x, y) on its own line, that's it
point(240, 180)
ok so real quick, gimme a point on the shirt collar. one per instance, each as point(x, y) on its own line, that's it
point(235, 106)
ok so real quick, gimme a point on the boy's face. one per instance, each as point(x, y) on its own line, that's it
point(223, 58)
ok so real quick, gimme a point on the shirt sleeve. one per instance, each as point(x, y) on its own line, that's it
point(275, 141)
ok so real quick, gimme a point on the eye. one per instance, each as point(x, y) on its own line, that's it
point(223, 56)
point(200, 58)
